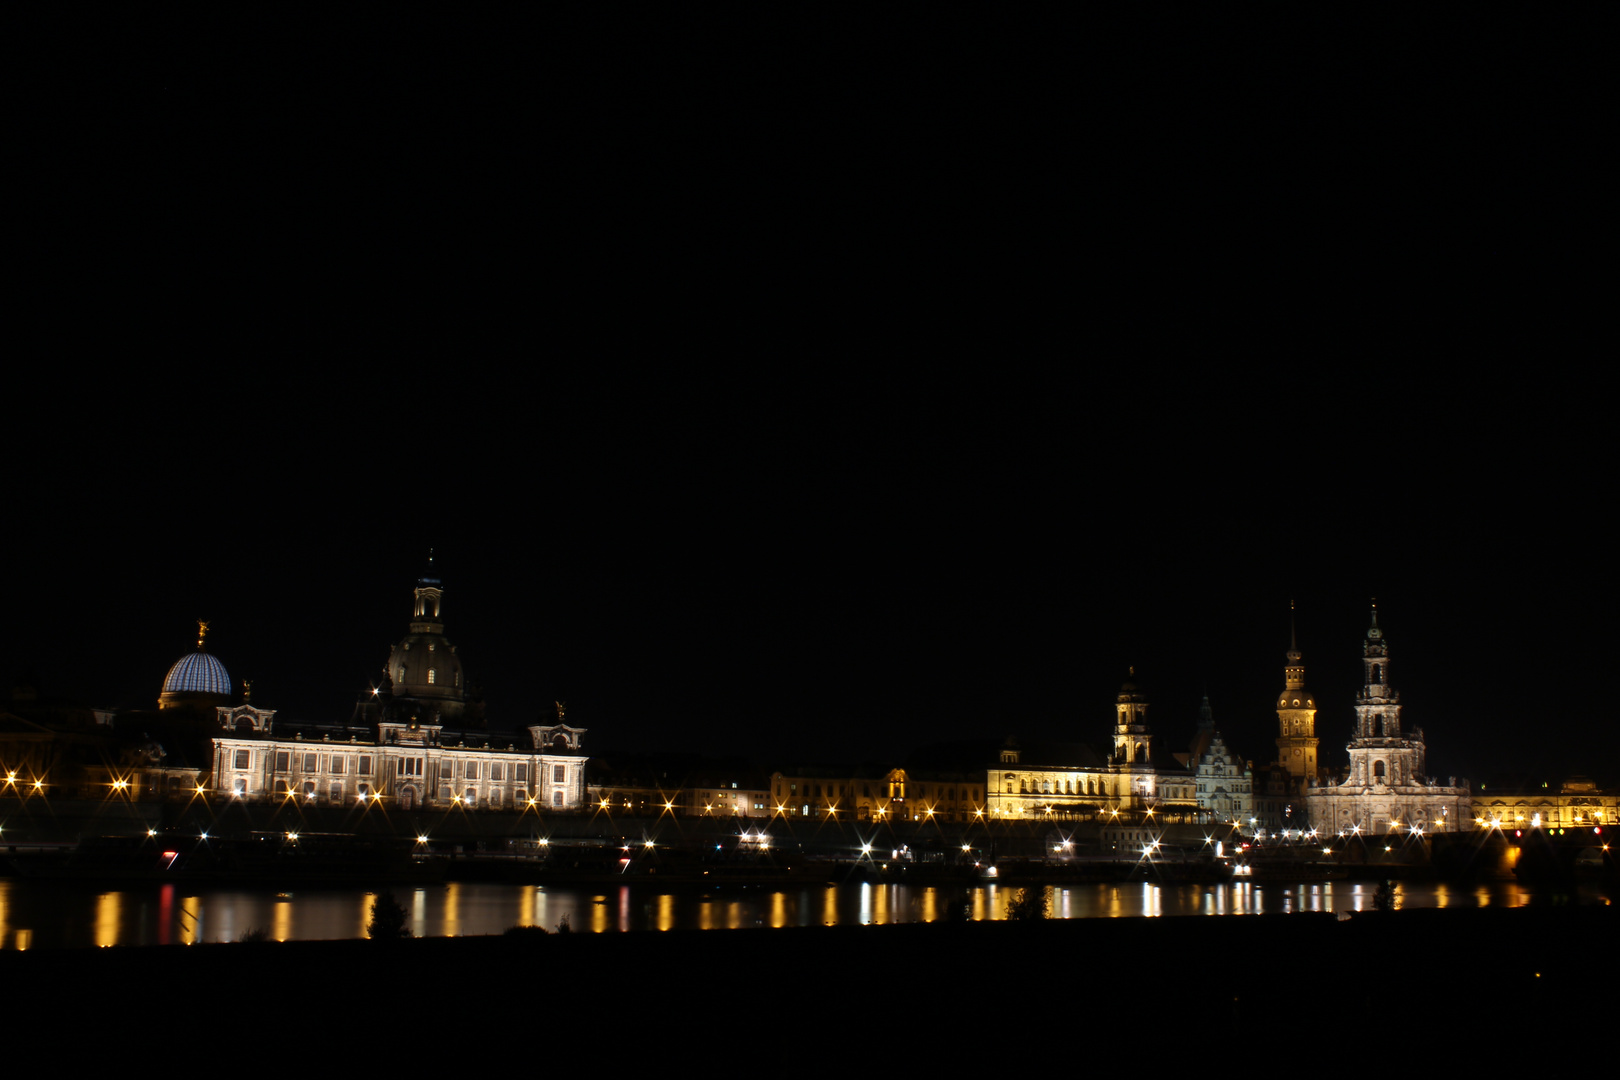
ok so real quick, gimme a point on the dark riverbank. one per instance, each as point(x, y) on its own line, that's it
point(950, 981)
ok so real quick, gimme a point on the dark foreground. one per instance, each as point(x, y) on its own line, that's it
point(1118, 986)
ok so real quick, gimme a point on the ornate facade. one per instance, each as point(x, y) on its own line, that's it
point(1385, 789)
point(397, 746)
point(1073, 781)
point(1225, 781)
point(1577, 803)
point(411, 765)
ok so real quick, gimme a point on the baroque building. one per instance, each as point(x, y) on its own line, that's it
point(397, 745)
point(1385, 788)
point(1072, 780)
point(1225, 781)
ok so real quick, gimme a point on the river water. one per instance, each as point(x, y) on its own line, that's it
point(36, 915)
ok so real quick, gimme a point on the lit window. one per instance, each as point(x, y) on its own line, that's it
point(432, 676)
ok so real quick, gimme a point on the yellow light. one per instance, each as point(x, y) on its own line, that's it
point(649, 843)
point(292, 836)
point(671, 806)
point(421, 839)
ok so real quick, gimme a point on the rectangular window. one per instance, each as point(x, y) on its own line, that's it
point(556, 798)
point(283, 761)
point(310, 762)
point(471, 770)
point(559, 773)
point(365, 765)
point(337, 792)
point(497, 771)
point(520, 773)
point(243, 758)
point(447, 769)
point(337, 763)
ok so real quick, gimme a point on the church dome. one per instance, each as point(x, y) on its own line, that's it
point(197, 680)
point(197, 673)
point(424, 667)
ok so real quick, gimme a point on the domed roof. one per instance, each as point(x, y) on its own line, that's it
point(197, 673)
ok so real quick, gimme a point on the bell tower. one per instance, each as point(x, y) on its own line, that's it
point(1296, 715)
point(1133, 742)
point(1378, 707)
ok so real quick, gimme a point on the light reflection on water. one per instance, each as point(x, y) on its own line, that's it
point(34, 914)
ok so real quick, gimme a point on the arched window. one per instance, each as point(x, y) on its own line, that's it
point(1378, 673)
point(1378, 770)
point(432, 676)
point(1378, 725)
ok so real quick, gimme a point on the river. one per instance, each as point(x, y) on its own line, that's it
point(42, 915)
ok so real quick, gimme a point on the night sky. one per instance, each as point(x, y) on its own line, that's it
point(811, 399)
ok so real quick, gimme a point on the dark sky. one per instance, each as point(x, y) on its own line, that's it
point(822, 391)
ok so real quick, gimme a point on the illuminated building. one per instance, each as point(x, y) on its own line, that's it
point(1225, 782)
point(397, 747)
point(867, 793)
point(410, 764)
point(1577, 803)
point(1278, 789)
point(1072, 780)
point(1385, 789)
point(683, 785)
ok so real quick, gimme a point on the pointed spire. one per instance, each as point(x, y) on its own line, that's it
point(1206, 716)
point(1373, 631)
point(1293, 640)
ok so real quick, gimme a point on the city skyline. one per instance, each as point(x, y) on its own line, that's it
point(848, 663)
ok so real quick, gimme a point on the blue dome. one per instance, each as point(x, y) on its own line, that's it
point(197, 673)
